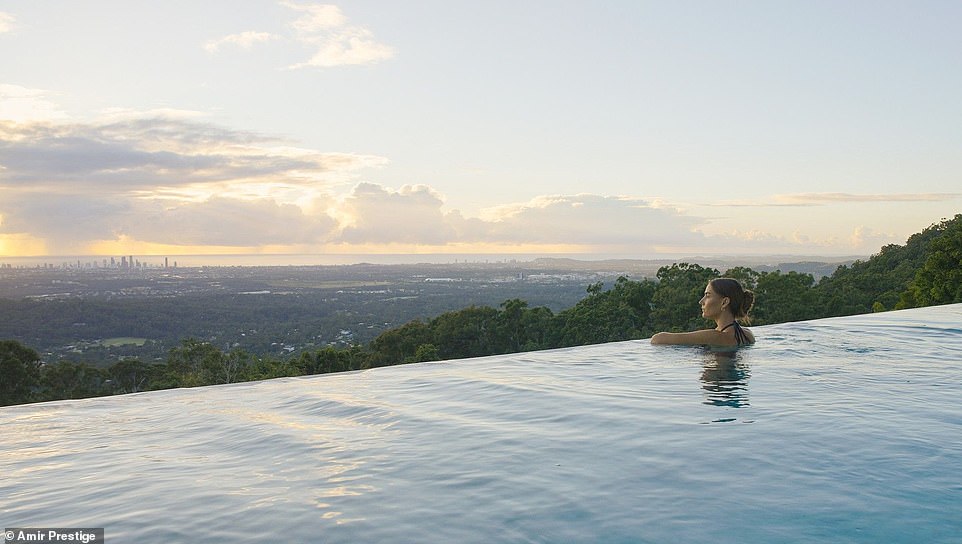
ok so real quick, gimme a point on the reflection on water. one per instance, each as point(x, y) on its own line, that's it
point(856, 441)
point(725, 379)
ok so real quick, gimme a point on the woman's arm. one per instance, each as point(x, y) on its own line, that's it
point(710, 337)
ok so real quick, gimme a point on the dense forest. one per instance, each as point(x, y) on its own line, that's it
point(926, 271)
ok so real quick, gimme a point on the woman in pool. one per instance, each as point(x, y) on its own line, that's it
point(725, 303)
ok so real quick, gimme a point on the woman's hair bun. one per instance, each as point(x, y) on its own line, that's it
point(747, 301)
point(741, 299)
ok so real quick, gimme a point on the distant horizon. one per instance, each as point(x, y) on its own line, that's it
point(307, 259)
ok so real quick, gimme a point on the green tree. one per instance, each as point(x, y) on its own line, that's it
point(745, 276)
point(620, 313)
point(886, 277)
point(19, 373)
point(331, 359)
point(426, 352)
point(225, 368)
point(781, 298)
point(538, 326)
point(512, 323)
point(129, 376)
point(71, 380)
point(471, 332)
point(939, 280)
point(194, 363)
point(266, 368)
point(675, 301)
point(397, 345)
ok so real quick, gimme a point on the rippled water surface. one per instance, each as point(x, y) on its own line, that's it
point(838, 430)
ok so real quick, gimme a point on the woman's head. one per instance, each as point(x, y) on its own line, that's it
point(739, 300)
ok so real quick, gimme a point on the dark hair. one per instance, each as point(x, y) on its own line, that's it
point(741, 300)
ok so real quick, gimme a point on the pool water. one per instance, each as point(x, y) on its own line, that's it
point(836, 430)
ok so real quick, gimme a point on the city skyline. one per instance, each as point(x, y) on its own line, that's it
point(647, 129)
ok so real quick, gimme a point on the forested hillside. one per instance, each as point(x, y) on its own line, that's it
point(927, 270)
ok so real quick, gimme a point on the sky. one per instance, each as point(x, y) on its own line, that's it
point(629, 128)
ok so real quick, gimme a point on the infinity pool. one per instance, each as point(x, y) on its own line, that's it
point(837, 430)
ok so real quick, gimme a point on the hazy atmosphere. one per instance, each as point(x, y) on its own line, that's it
point(628, 128)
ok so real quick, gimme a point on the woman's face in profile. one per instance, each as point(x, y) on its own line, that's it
point(711, 303)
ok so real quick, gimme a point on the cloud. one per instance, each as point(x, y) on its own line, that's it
point(411, 215)
point(89, 206)
point(71, 221)
point(867, 239)
point(223, 221)
point(862, 240)
point(21, 104)
point(821, 199)
point(414, 215)
point(162, 152)
point(336, 43)
point(63, 220)
point(165, 179)
point(353, 45)
point(7, 22)
point(828, 198)
point(321, 28)
point(243, 40)
point(317, 18)
point(588, 219)
point(170, 178)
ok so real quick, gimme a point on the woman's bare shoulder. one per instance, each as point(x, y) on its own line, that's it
point(710, 337)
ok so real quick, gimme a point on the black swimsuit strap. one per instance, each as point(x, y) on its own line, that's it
point(740, 336)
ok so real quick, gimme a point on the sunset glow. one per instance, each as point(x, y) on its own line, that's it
point(665, 129)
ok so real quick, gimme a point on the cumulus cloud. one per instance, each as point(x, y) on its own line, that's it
point(165, 179)
point(594, 219)
point(325, 29)
point(243, 40)
point(316, 18)
point(862, 240)
point(70, 221)
point(411, 215)
point(223, 221)
point(65, 221)
point(6, 22)
point(21, 104)
point(348, 46)
point(867, 239)
point(320, 28)
point(414, 215)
